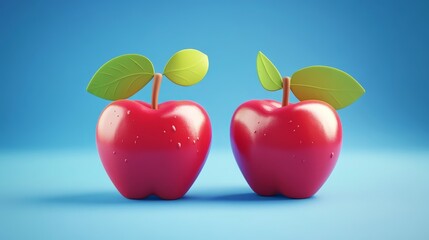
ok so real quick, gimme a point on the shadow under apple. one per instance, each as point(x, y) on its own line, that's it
point(103, 198)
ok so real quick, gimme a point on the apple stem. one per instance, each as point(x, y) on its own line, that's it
point(155, 90)
point(286, 88)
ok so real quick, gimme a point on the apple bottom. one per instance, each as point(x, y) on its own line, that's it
point(300, 179)
point(288, 150)
point(153, 152)
point(141, 176)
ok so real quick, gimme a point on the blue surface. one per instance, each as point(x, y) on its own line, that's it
point(52, 184)
point(67, 195)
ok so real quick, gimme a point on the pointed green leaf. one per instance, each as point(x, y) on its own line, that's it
point(268, 74)
point(327, 84)
point(187, 67)
point(121, 77)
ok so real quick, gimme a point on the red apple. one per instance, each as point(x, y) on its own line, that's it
point(289, 150)
point(148, 151)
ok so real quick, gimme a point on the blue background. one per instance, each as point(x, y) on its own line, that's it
point(50, 172)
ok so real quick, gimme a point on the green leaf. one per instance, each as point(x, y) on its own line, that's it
point(268, 74)
point(187, 67)
point(327, 84)
point(121, 77)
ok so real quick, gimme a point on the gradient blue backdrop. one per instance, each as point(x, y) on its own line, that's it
point(50, 49)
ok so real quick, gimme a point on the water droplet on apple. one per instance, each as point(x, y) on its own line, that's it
point(173, 127)
point(122, 141)
point(175, 116)
point(254, 132)
point(297, 126)
point(194, 141)
point(137, 136)
point(332, 155)
point(164, 131)
point(294, 130)
point(179, 145)
point(114, 152)
point(171, 140)
point(189, 138)
point(128, 112)
point(135, 142)
point(312, 142)
point(300, 141)
point(265, 134)
point(290, 121)
point(198, 139)
point(125, 160)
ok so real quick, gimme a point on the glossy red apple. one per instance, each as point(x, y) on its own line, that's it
point(288, 149)
point(148, 151)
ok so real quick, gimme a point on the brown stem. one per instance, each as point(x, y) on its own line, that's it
point(155, 89)
point(286, 88)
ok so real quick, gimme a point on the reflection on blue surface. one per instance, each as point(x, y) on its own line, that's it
point(67, 195)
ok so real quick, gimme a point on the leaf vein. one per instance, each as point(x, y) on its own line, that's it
point(120, 78)
point(138, 64)
point(335, 99)
point(132, 82)
point(108, 74)
point(271, 78)
point(180, 76)
point(185, 68)
point(119, 70)
point(122, 65)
